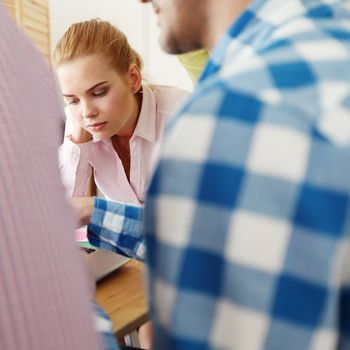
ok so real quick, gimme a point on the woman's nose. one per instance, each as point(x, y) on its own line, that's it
point(89, 111)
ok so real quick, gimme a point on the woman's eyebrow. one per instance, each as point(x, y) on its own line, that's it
point(89, 89)
point(95, 86)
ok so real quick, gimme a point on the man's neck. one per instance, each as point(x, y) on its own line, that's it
point(221, 15)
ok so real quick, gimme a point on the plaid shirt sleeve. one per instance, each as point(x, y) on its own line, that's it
point(103, 326)
point(117, 227)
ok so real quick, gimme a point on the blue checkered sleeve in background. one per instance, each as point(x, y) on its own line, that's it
point(104, 327)
point(117, 227)
point(247, 218)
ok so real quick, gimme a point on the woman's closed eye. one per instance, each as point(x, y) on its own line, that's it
point(73, 101)
point(100, 93)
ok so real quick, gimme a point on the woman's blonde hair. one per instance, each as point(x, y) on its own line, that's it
point(96, 37)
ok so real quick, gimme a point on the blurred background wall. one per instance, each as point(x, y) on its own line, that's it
point(45, 21)
point(137, 21)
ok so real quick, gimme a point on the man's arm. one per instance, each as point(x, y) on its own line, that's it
point(117, 227)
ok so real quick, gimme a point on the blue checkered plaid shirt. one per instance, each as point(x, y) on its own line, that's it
point(248, 218)
point(117, 227)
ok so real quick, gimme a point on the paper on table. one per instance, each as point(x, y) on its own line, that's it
point(81, 237)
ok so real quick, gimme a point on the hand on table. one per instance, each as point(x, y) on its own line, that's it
point(83, 207)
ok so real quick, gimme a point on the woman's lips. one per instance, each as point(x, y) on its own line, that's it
point(97, 126)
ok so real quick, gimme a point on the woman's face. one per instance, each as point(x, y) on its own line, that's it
point(99, 98)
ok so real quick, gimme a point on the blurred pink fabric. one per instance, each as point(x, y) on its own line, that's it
point(43, 288)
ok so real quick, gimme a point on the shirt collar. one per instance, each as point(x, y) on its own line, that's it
point(146, 124)
point(267, 13)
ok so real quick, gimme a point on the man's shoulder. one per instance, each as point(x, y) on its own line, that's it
point(320, 35)
point(215, 100)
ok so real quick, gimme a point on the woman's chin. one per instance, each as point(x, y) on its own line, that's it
point(99, 137)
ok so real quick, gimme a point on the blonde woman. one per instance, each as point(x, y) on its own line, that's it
point(115, 122)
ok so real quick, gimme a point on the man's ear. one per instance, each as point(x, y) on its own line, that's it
point(134, 78)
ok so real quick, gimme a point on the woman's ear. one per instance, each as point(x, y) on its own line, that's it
point(134, 78)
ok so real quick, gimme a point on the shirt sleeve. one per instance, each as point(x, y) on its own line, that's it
point(75, 167)
point(103, 326)
point(117, 227)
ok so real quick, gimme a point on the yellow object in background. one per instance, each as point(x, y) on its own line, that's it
point(194, 62)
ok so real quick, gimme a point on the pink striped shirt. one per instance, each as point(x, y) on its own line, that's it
point(44, 302)
point(78, 160)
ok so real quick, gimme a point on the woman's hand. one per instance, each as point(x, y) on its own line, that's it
point(79, 134)
point(82, 207)
point(74, 130)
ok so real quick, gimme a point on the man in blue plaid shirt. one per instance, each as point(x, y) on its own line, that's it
point(247, 220)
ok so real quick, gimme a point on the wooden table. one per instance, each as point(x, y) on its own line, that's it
point(122, 296)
